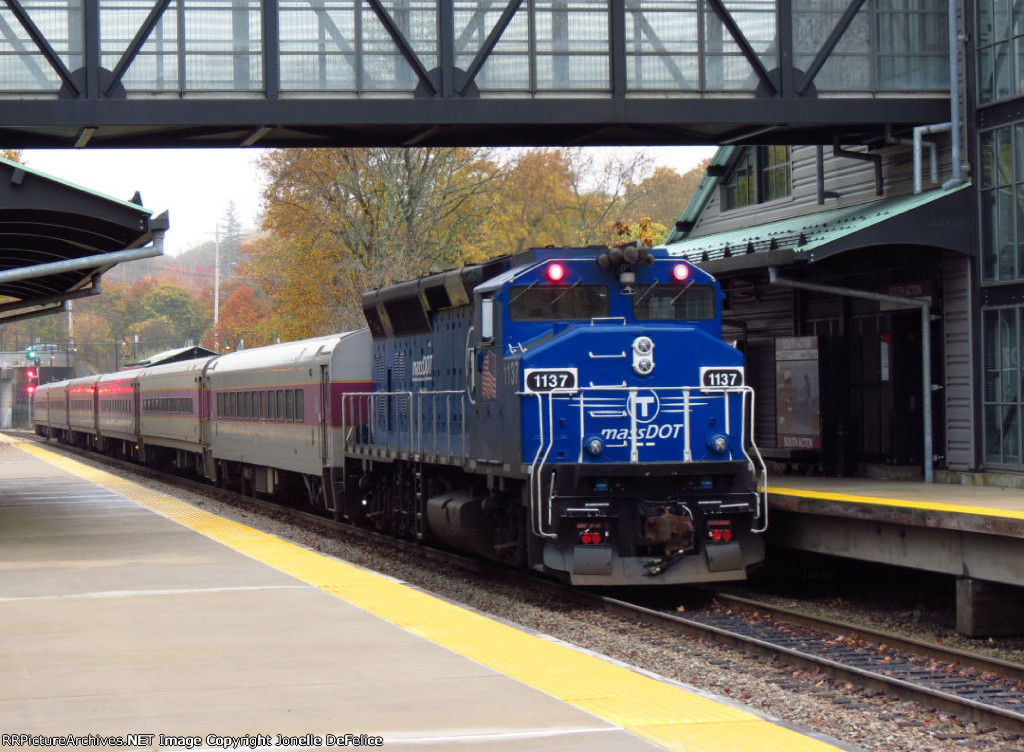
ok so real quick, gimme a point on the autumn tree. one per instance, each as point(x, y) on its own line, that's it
point(243, 315)
point(535, 207)
point(601, 191)
point(186, 317)
point(341, 221)
point(664, 195)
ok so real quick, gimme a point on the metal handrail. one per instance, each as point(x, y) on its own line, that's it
point(545, 442)
point(415, 445)
point(540, 512)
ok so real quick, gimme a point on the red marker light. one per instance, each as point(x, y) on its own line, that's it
point(30, 389)
point(585, 537)
point(556, 272)
point(680, 272)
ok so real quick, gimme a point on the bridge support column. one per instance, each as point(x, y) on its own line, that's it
point(988, 609)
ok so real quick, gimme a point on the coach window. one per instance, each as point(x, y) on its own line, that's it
point(289, 405)
point(263, 405)
point(271, 406)
point(280, 404)
point(300, 406)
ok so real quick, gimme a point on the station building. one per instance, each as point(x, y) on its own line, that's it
point(878, 290)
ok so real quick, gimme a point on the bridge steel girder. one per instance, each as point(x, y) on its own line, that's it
point(65, 97)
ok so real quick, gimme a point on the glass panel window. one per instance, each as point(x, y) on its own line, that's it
point(763, 174)
point(740, 190)
point(1000, 35)
point(1001, 200)
point(1002, 387)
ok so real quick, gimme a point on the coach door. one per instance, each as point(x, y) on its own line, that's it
point(325, 414)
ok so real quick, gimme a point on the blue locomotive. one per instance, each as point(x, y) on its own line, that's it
point(570, 410)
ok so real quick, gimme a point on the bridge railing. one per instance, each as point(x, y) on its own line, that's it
point(470, 48)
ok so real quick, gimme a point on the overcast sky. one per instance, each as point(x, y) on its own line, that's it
point(196, 185)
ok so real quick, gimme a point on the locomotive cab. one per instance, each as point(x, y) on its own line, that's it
point(625, 411)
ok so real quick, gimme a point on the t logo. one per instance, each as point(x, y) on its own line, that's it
point(644, 406)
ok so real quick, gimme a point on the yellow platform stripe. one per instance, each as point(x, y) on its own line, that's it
point(662, 713)
point(934, 506)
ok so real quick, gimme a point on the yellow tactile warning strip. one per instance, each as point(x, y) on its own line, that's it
point(935, 506)
point(662, 713)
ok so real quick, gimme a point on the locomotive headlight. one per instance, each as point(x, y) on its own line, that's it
point(718, 444)
point(594, 445)
point(643, 345)
point(643, 356)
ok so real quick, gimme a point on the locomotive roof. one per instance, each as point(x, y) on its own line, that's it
point(404, 308)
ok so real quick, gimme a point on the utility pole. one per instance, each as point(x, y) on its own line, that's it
point(216, 288)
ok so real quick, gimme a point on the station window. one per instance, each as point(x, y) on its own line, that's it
point(1002, 397)
point(1000, 36)
point(764, 173)
point(1001, 192)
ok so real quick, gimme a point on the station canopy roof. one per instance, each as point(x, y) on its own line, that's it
point(57, 239)
point(933, 218)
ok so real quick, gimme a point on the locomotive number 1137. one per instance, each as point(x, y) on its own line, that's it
point(549, 379)
point(712, 377)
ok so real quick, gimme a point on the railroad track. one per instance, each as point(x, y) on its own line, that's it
point(964, 684)
point(968, 685)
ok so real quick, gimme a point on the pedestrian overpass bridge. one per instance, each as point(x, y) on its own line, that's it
point(484, 72)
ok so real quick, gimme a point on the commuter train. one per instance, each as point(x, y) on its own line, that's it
point(573, 411)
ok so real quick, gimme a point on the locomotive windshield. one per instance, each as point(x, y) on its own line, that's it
point(558, 302)
point(673, 303)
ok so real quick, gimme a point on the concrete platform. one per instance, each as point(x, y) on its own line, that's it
point(118, 618)
point(973, 533)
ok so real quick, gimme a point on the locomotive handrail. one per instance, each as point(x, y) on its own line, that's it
point(536, 521)
point(545, 441)
point(415, 442)
point(447, 394)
